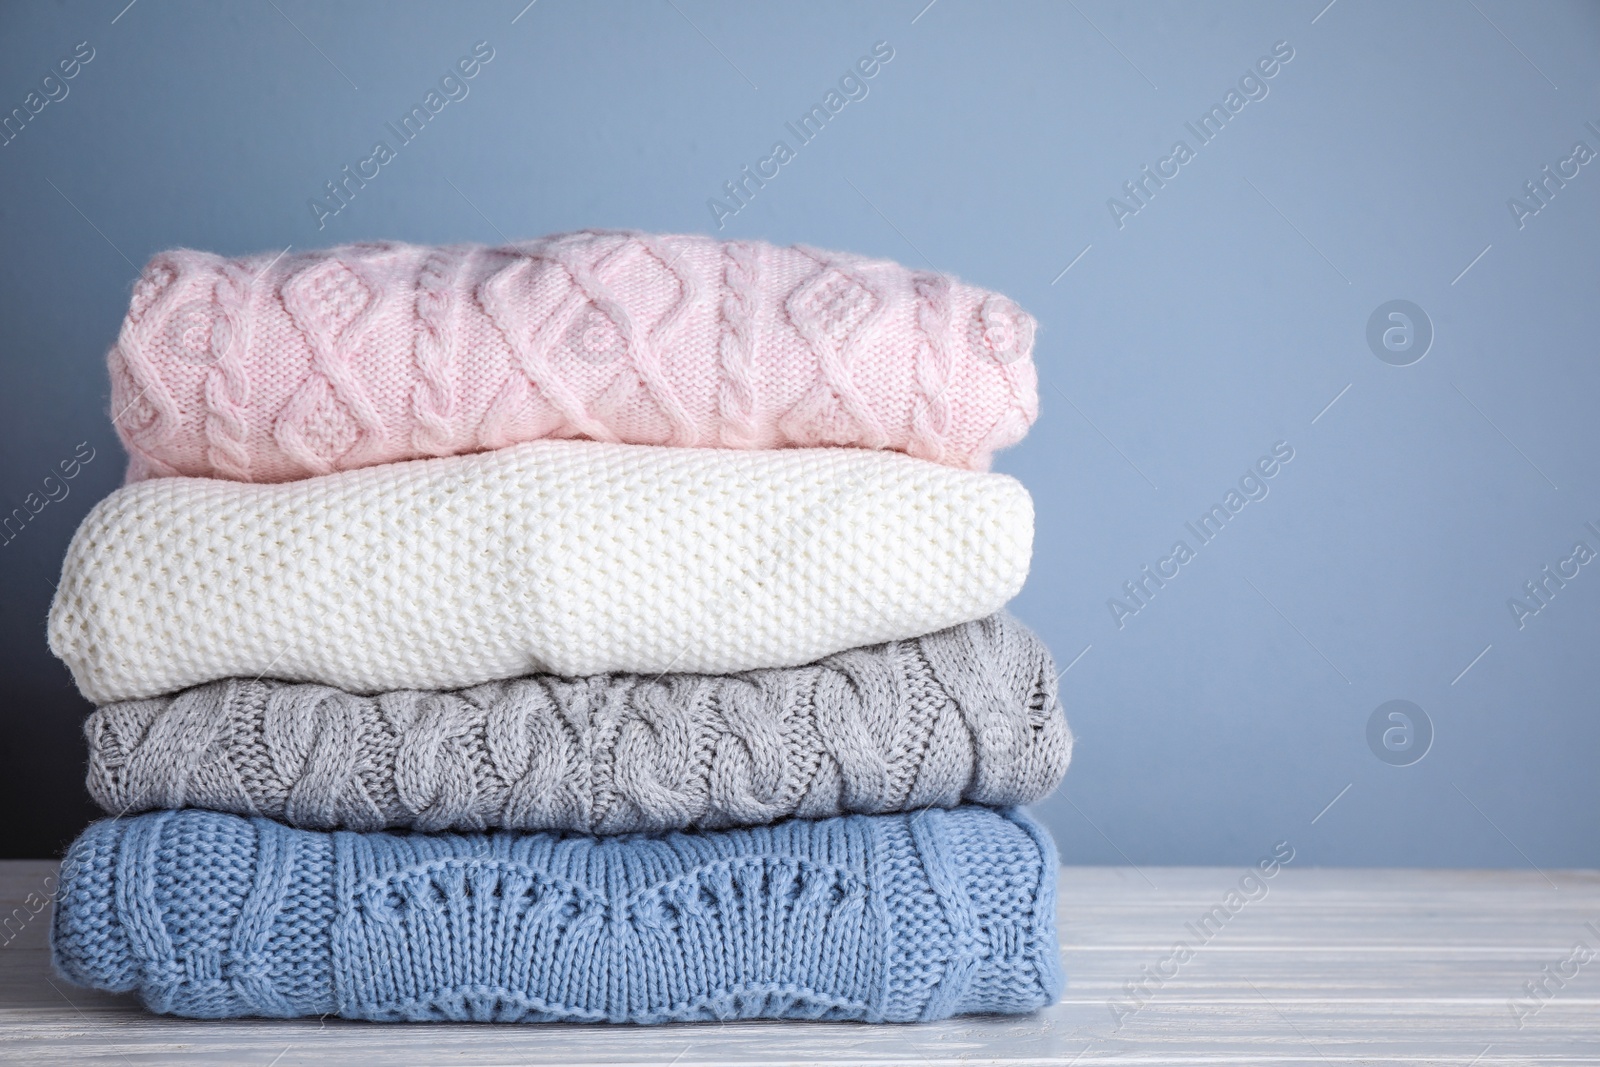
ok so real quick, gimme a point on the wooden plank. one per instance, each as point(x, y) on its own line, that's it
point(1328, 966)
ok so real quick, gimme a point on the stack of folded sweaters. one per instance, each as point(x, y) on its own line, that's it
point(446, 691)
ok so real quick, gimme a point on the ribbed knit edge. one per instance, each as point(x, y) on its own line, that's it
point(138, 913)
point(247, 944)
point(928, 831)
point(83, 914)
point(879, 874)
point(109, 930)
point(939, 862)
point(1047, 948)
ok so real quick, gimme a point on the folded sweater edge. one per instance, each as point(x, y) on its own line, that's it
point(214, 916)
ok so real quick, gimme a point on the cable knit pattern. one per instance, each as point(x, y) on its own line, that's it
point(966, 715)
point(227, 385)
point(740, 387)
point(433, 399)
point(889, 918)
point(374, 353)
point(564, 557)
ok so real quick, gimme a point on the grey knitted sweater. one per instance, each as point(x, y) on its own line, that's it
point(965, 715)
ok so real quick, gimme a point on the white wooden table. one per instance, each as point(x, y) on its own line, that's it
point(1330, 966)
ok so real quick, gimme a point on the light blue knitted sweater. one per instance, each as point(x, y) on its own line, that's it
point(879, 918)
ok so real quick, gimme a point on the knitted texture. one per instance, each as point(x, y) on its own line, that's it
point(563, 557)
point(894, 918)
point(966, 715)
point(284, 365)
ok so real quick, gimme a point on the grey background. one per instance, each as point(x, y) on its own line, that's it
point(1220, 319)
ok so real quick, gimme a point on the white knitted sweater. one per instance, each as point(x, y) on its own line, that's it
point(566, 557)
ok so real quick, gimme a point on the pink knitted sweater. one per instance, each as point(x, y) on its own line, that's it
point(275, 367)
